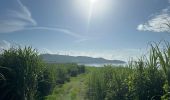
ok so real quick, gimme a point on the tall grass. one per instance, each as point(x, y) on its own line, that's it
point(148, 78)
point(21, 70)
point(24, 76)
point(164, 63)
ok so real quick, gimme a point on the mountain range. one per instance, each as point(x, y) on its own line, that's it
point(55, 58)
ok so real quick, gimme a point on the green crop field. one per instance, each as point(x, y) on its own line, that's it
point(24, 76)
point(73, 90)
point(84, 49)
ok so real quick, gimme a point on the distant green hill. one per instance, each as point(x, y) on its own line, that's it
point(54, 58)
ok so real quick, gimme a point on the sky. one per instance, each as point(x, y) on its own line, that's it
point(112, 29)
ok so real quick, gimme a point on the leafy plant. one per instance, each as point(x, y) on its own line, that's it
point(22, 78)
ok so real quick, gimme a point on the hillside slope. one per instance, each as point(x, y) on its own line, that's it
point(51, 58)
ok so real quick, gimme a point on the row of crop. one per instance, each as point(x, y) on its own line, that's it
point(24, 76)
point(57, 74)
point(145, 79)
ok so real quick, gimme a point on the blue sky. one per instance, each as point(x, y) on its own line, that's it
point(113, 29)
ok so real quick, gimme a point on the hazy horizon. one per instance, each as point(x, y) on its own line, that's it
point(111, 29)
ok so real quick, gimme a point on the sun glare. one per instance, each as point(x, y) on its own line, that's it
point(93, 1)
point(91, 9)
point(99, 6)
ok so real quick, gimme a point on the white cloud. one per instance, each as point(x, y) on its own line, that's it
point(66, 31)
point(79, 37)
point(45, 51)
point(21, 19)
point(16, 19)
point(82, 40)
point(158, 23)
point(26, 14)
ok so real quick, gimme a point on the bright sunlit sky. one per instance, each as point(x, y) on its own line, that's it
point(113, 29)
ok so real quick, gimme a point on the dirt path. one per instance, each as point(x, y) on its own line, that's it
point(73, 90)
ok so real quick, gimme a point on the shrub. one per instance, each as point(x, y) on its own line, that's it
point(148, 78)
point(24, 67)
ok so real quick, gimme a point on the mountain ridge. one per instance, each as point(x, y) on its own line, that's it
point(55, 58)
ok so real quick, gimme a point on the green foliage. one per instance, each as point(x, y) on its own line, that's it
point(107, 84)
point(22, 68)
point(73, 90)
point(24, 76)
point(46, 82)
point(62, 72)
point(145, 79)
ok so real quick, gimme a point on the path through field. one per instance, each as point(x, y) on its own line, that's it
point(73, 90)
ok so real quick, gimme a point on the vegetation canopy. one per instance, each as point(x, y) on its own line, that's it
point(25, 76)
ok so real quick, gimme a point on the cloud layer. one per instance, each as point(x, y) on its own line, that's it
point(117, 54)
point(158, 23)
point(20, 18)
point(16, 19)
point(68, 32)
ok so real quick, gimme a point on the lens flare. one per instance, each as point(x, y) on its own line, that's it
point(93, 1)
point(90, 9)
